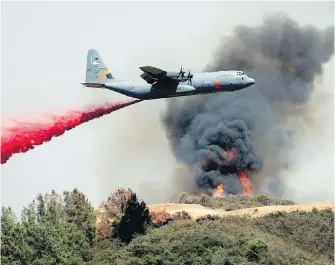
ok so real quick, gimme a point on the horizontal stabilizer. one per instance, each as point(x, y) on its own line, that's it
point(92, 84)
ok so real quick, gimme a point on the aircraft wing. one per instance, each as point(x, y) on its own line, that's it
point(153, 71)
point(148, 78)
point(155, 75)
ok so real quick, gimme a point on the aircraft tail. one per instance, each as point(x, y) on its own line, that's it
point(97, 72)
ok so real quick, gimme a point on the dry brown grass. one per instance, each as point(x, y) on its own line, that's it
point(196, 210)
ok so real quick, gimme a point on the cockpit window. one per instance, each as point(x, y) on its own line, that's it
point(240, 73)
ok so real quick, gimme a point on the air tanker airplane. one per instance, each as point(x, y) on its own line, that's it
point(162, 84)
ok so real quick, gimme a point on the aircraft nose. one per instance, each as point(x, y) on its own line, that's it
point(252, 81)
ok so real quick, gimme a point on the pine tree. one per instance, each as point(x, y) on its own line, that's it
point(80, 212)
point(11, 238)
point(134, 221)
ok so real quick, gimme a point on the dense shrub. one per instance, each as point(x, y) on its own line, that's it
point(160, 218)
point(311, 230)
point(222, 258)
point(255, 248)
point(208, 217)
point(232, 202)
point(181, 216)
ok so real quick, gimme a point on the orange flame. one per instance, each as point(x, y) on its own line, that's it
point(228, 155)
point(245, 184)
point(219, 191)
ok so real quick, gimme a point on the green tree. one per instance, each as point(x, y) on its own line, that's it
point(110, 209)
point(54, 207)
point(46, 231)
point(11, 238)
point(79, 211)
point(116, 203)
point(30, 227)
point(134, 221)
point(41, 208)
point(58, 230)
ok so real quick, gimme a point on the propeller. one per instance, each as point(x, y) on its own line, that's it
point(189, 76)
point(181, 72)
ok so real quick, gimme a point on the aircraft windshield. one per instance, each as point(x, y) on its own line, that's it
point(241, 73)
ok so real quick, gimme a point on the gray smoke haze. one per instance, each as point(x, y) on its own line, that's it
point(285, 59)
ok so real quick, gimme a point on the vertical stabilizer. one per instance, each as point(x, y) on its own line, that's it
point(96, 70)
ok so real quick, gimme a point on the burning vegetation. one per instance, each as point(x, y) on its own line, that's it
point(222, 168)
point(225, 164)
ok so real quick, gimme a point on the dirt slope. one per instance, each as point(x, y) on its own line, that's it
point(196, 210)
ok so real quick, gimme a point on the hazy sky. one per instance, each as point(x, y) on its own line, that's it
point(44, 46)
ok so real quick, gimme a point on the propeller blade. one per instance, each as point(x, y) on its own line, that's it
point(189, 75)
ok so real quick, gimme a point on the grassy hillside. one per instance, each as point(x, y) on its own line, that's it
point(57, 229)
point(281, 238)
point(295, 237)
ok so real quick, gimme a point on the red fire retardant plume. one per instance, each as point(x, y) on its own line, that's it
point(25, 135)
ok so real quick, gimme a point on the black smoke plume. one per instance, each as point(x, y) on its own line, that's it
point(284, 58)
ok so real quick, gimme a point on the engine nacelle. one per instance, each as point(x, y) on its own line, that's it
point(185, 88)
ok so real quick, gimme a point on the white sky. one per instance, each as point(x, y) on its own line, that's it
point(44, 46)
